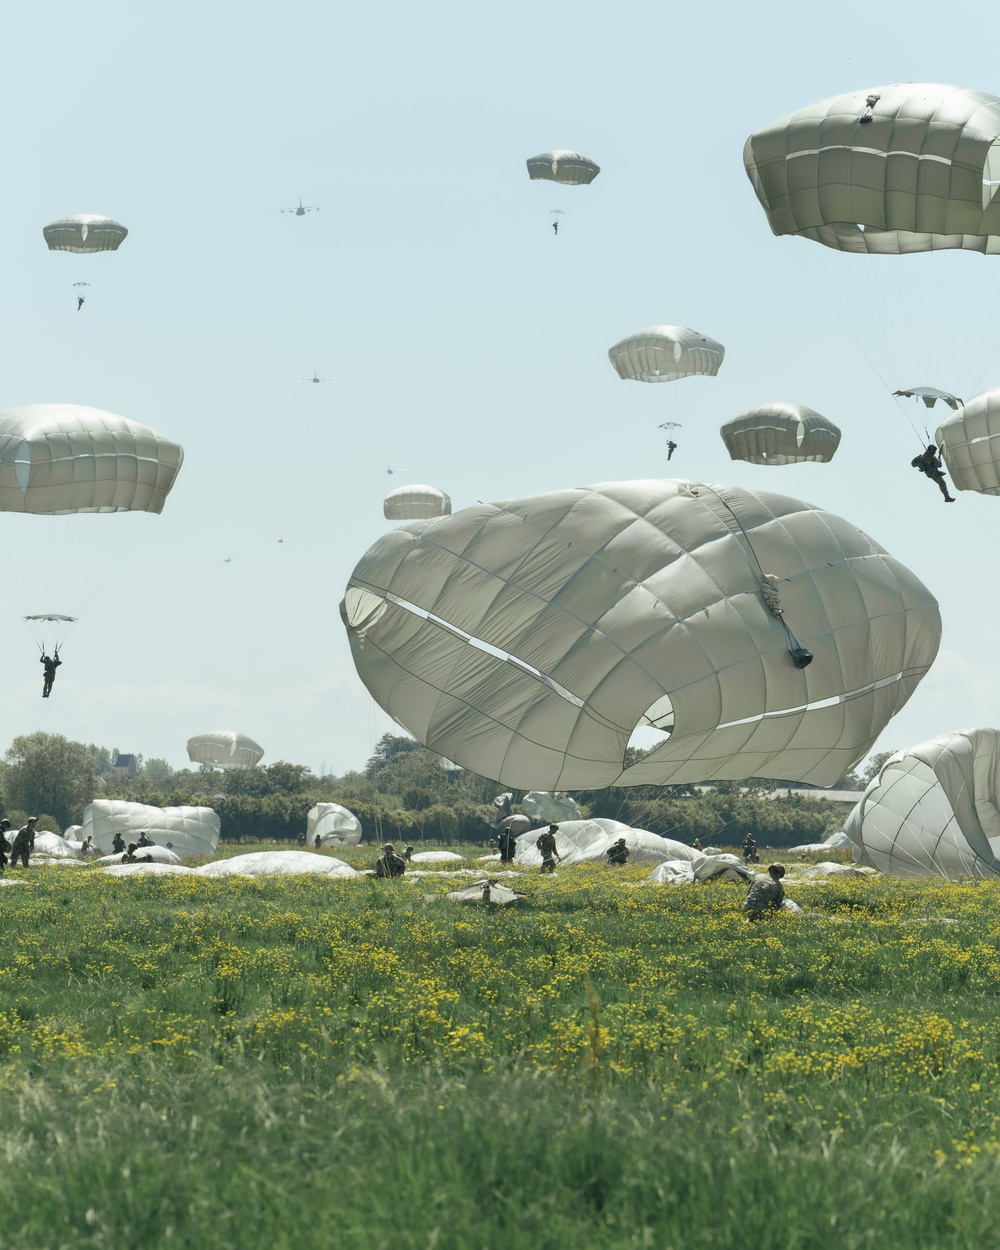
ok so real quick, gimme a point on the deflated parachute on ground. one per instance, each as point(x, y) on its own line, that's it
point(780, 434)
point(224, 748)
point(913, 167)
point(186, 830)
point(65, 458)
point(970, 444)
point(666, 353)
point(934, 809)
point(527, 640)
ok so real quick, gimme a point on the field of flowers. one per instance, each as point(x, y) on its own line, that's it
point(216, 1062)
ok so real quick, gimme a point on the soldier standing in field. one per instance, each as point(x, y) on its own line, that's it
point(24, 843)
point(546, 843)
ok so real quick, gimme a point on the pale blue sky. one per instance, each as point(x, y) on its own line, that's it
point(465, 343)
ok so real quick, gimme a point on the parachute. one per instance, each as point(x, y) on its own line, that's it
point(905, 176)
point(528, 640)
point(570, 168)
point(85, 233)
point(184, 830)
point(541, 805)
point(780, 434)
point(336, 825)
point(666, 353)
point(930, 395)
point(415, 503)
point(970, 444)
point(224, 749)
point(934, 809)
point(61, 467)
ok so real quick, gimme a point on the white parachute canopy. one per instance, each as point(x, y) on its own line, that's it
point(666, 353)
point(85, 232)
point(780, 434)
point(929, 396)
point(528, 640)
point(184, 830)
point(415, 503)
point(559, 165)
point(224, 748)
point(588, 841)
point(970, 444)
point(333, 824)
point(64, 470)
point(905, 177)
point(544, 805)
point(934, 809)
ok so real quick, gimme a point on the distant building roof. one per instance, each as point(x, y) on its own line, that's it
point(124, 764)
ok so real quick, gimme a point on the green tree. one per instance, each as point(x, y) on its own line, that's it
point(49, 773)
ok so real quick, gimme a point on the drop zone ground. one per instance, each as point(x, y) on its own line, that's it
point(295, 1062)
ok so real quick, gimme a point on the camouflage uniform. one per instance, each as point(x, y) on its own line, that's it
point(764, 892)
point(546, 843)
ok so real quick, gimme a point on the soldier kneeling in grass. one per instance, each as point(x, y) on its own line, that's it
point(389, 864)
point(766, 891)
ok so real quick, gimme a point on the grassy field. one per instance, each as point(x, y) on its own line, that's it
point(296, 1062)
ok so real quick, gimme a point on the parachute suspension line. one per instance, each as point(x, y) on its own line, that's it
point(378, 800)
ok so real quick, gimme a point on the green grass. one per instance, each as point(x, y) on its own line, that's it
point(298, 1061)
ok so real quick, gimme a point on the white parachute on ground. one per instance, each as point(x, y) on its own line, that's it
point(934, 809)
point(184, 830)
point(666, 353)
point(415, 503)
point(153, 854)
point(588, 841)
point(542, 805)
point(700, 868)
point(838, 841)
point(224, 748)
point(277, 863)
point(780, 433)
point(86, 232)
point(970, 444)
point(437, 857)
point(333, 825)
point(560, 165)
point(528, 640)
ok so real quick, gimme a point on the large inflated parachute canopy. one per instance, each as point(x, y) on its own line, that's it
point(224, 748)
point(529, 639)
point(84, 233)
point(666, 353)
point(913, 167)
point(570, 168)
point(415, 503)
point(970, 444)
point(333, 825)
point(186, 830)
point(934, 809)
point(780, 434)
point(65, 458)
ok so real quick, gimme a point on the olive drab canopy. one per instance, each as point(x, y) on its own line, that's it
point(913, 167)
point(569, 168)
point(666, 353)
point(780, 434)
point(84, 233)
point(65, 458)
point(934, 809)
point(224, 748)
point(415, 503)
point(970, 444)
point(527, 640)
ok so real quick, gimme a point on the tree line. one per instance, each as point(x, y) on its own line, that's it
point(405, 792)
